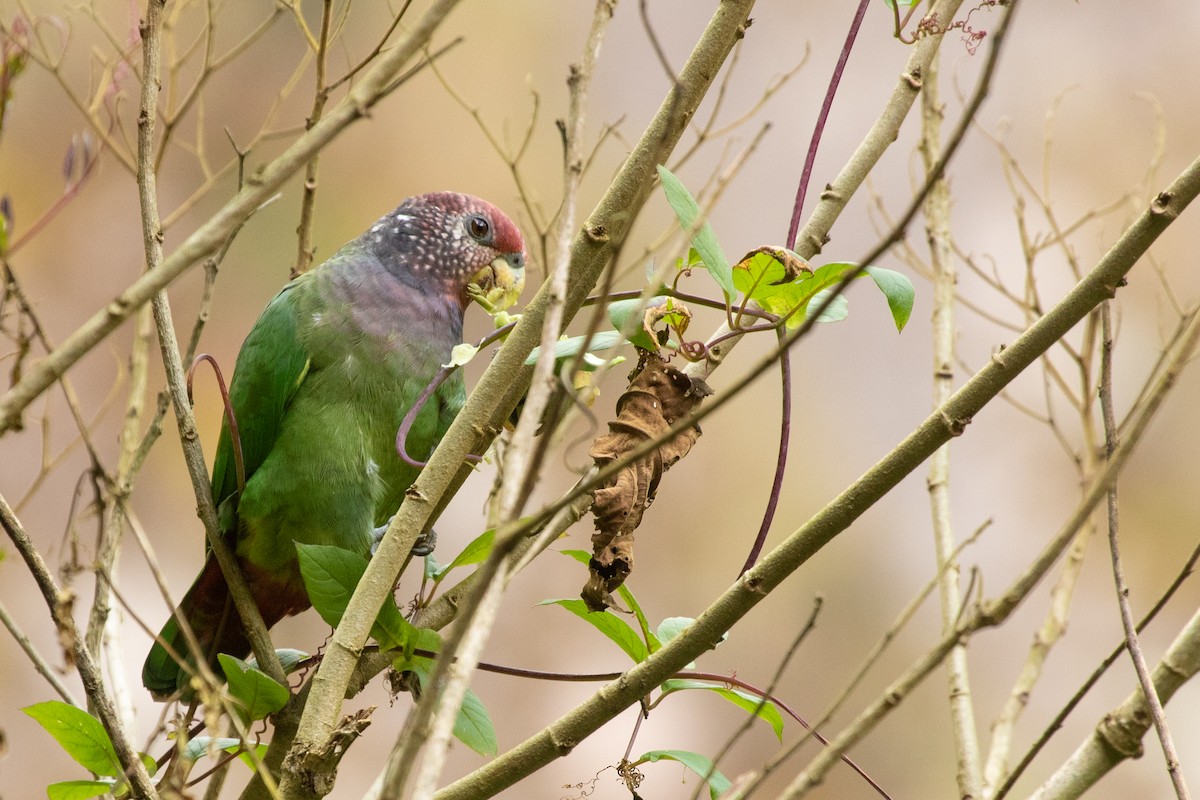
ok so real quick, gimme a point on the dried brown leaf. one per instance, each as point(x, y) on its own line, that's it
point(657, 396)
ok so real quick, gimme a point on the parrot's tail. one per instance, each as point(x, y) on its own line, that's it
point(209, 610)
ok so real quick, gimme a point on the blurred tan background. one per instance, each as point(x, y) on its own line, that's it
point(859, 386)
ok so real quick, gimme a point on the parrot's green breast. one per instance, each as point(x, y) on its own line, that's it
point(333, 472)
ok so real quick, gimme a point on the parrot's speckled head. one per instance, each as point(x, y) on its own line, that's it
point(448, 242)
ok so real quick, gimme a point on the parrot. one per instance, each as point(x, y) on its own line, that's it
point(320, 388)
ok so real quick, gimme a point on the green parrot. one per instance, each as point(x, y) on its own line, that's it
point(321, 386)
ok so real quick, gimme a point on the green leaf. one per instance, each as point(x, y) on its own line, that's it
point(475, 552)
point(432, 567)
point(898, 290)
point(687, 210)
point(257, 693)
point(671, 627)
point(473, 726)
point(615, 628)
point(837, 310)
point(568, 348)
point(718, 784)
point(652, 642)
point(78, 733)
point(768, 712)
point(77, 790)
point(421, 639)
point(757, 275)
point(391, 629)
point(330, 575)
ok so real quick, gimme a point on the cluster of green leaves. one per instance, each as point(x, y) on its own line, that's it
point(762, 278)
point(254, 695)
point(639, 643)
point(330, 576)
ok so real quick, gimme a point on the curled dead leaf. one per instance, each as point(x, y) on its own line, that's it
point(674, 315)
point(657, 396)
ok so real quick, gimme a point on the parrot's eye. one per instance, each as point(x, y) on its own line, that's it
point(478, 227)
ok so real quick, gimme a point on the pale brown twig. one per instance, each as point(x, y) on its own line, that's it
point(1153, 703)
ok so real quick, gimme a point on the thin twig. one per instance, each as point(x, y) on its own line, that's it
point(211, 235)
point(39, 663)
point(497, 392)
point(1153, 703)
point(969, 770)
point(947, 421)
point(93, 683)
point(193, 455)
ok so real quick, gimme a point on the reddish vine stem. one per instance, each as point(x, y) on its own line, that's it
point(785, 435)
point(444, 373)
point(815, 142)
point(230, 417)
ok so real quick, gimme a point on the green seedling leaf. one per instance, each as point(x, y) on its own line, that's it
point(652, 642)
point(473, 725)
point(718, 784)
point(201, 746)
point(616, 629)
point(78, 790)
point(768, 712)
point(257, 694)
point(568, 348)
point(78, 733)
point(475, 552)
point(687, 210)
point(330, 575)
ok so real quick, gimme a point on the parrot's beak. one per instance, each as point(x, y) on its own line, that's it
point(498, 285)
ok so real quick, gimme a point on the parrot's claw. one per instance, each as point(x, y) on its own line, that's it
point(425, 543)
point(421, 548)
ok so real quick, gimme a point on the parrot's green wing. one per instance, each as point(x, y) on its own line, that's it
point(270, 368)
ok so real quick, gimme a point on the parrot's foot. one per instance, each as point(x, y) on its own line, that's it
point(422, 547)
point(425, 543)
